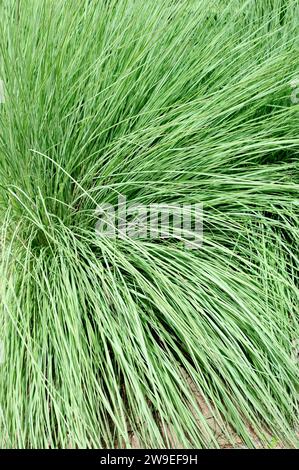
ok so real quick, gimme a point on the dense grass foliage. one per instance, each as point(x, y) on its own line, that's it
point(165, 101)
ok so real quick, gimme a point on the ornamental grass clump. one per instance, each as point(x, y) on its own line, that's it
point(114, 341)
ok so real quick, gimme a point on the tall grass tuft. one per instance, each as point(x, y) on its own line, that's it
point(108, 342)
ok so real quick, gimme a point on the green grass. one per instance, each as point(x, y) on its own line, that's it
point(164, 101)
